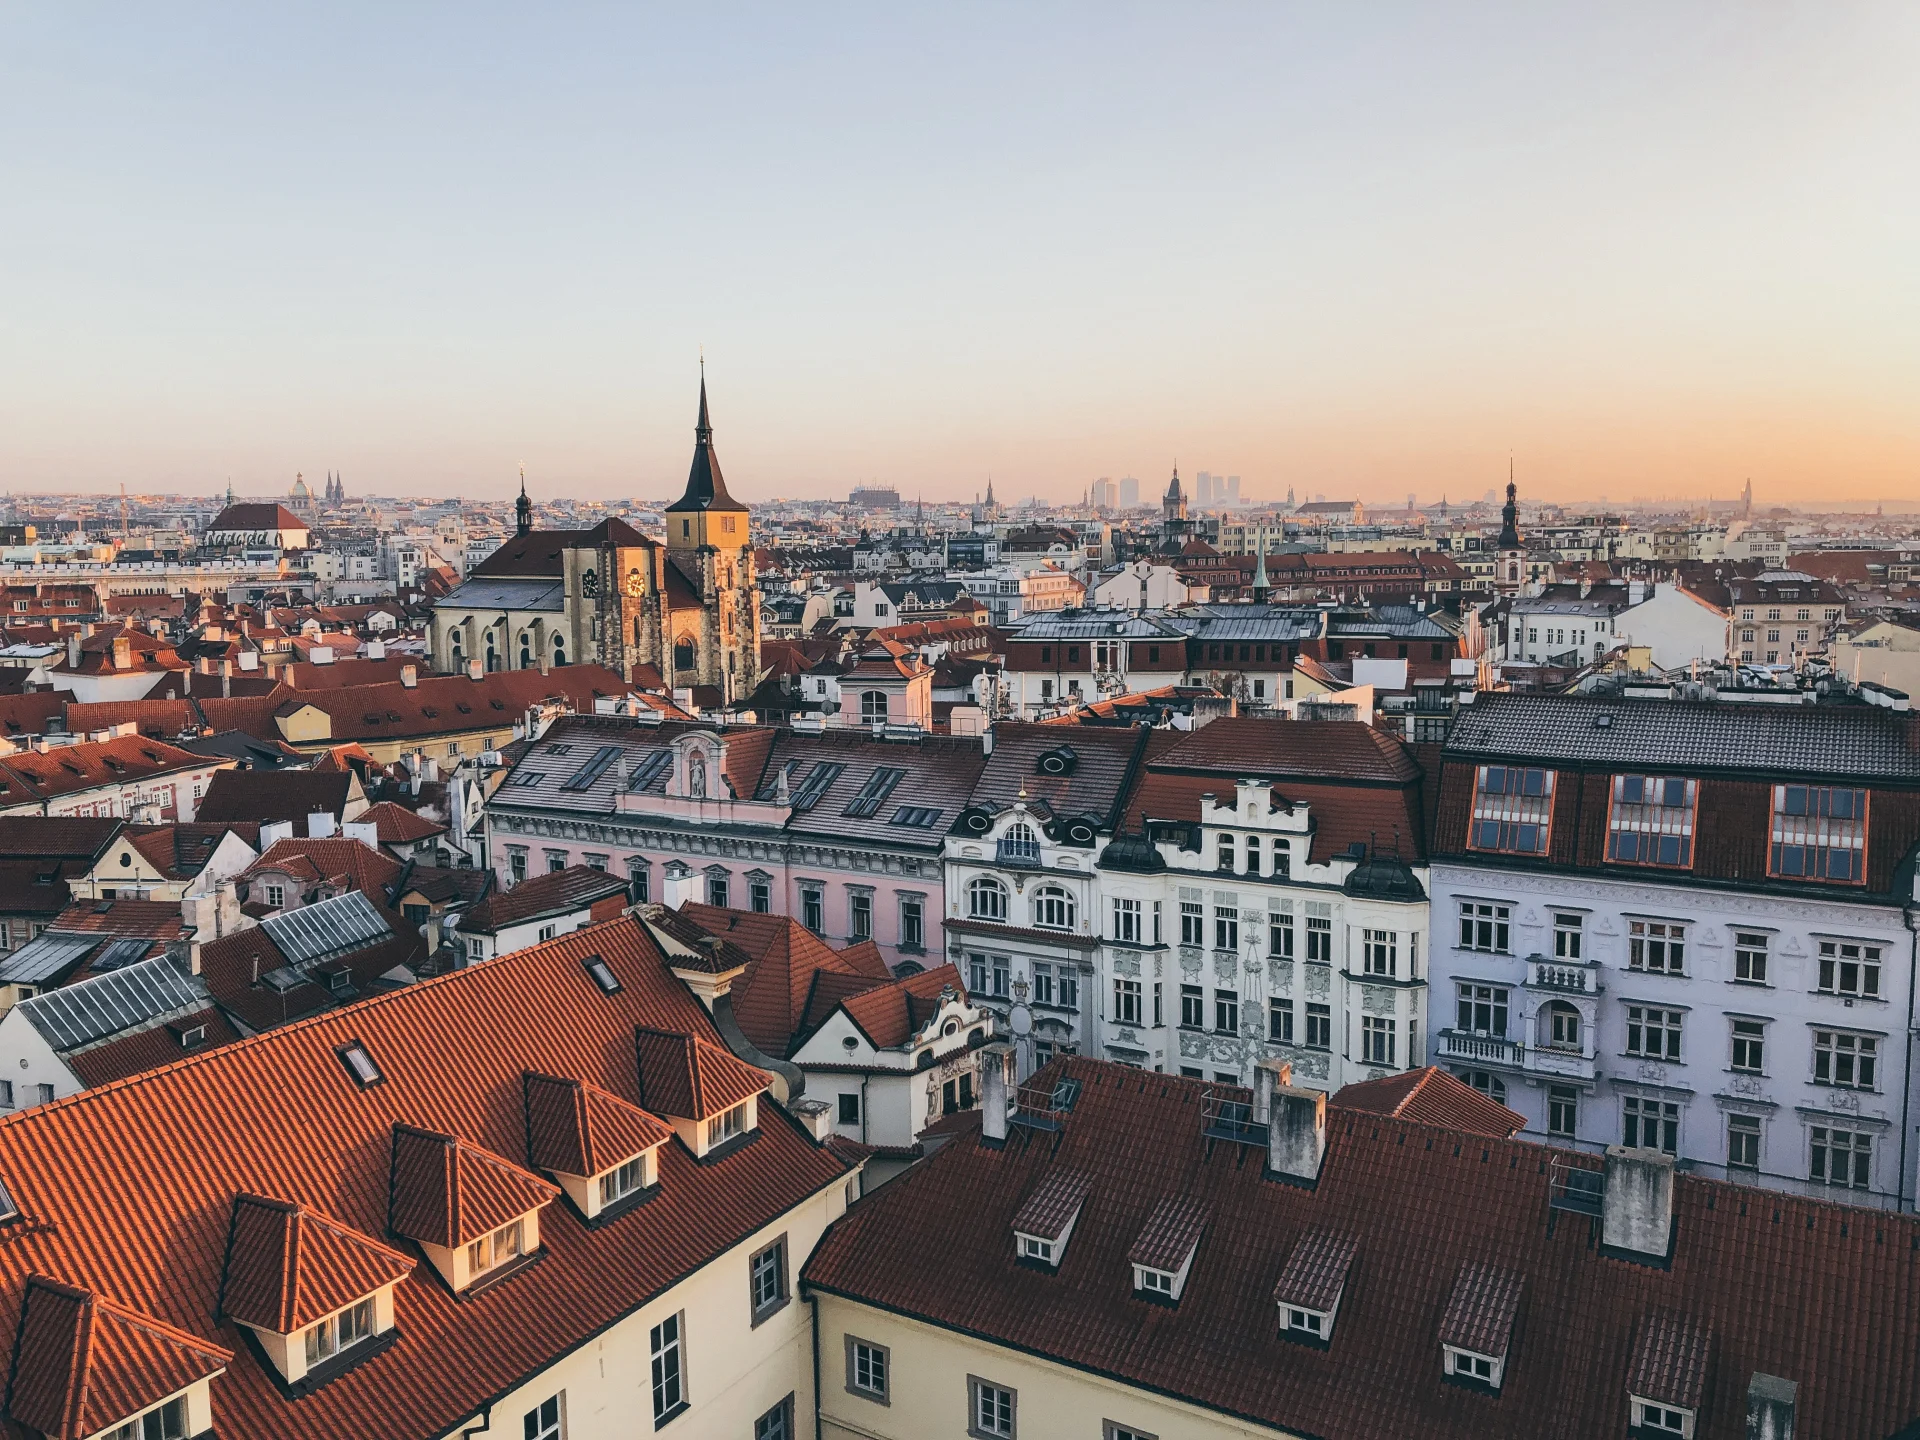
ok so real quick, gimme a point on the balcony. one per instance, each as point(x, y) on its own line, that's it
point(1481, 1049)
point(1568, 977)
point(1019, 853)
point(1558, 1062)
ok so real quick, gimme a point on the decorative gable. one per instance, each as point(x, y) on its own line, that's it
point(83, 1363)
point(1044, 1224)
point(472, 1213)
point(709, 1097)
point(601, 1149)
point(316, 1293)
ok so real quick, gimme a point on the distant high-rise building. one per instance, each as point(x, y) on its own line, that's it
point(1103, 493)
point(1232, 496)
point(1203, 488)
point(1129, 492)
point(873, 497)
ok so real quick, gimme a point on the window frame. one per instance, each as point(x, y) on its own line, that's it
point(668, 1387)
point(760, 1311)
point(883, 1395)
point(535, 1426)
point(976, 1386)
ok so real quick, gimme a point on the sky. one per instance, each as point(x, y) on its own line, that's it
point(1641, 249)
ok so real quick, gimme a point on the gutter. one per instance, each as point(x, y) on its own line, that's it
point(737, 1042)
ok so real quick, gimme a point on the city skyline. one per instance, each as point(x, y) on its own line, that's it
point(1647, 252)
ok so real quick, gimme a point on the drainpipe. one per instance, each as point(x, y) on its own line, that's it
point(813, 1304)
point(1906, 1103)
point(485, 1423)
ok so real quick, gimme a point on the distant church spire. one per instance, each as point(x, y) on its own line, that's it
point(523, 507)
point(1510, 513)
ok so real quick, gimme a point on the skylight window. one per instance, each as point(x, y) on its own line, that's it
point(879, 785)
point(815, 785)
point(587, 774)
point(650, 769)
point(602, 975)
point(8, 1210)
point(529, 777)
point(918, 817)
point(360, 1065)
point(558, 749)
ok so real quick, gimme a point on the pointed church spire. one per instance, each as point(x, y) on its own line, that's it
point(523, 508)
point(706, 487)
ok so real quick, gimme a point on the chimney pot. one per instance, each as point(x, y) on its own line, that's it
point(995, 1099)
point(1296, 1133)
point(1637, 1213)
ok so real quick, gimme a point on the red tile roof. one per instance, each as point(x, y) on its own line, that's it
point(1171, 1232)
point(1053, 1203)
point(1480, 1311)
point(1316, 1271)
point(1433, 1097)
point(397, 825)
point(367, 869)
point(90, 764)
point(267, 795)
point(447, 1192)
point(83, 1362)
point(574, 1128)
point(557, 893)
point(155, 919)
point(786, 959)
point(890, 1015)
point(289, 1266)
point(1309, 749)
point(256, 515)
point(150, 1048)
point(450, 704)
point(691, 1078)
point(1670, 1358)
point(1421, 1201)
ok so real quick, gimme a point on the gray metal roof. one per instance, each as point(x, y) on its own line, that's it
point(1862, 743)
point(44, 957)
point(106, 1005)
point(333, 927)
point(505, 593)
point(121, 952)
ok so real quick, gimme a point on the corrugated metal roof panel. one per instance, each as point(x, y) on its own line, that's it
point(44, 957)
point(333, 927)
point(80, 1014)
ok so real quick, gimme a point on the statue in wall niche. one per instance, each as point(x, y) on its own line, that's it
point(697, 775)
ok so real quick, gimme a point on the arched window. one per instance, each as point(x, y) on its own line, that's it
point(683, 654)
point(987, 900)
point(1560, 1026)
point(697, 775)
point(1253, 855)
point(1053, 908)
point(559, 650)
point(1020, 846)
point(589, 583)
point(873, 707)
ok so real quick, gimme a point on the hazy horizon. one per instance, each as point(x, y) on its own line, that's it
point(1643, 250)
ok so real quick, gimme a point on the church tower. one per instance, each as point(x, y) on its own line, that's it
point(713, 616)
point(1174, 525)
point(1511, 570)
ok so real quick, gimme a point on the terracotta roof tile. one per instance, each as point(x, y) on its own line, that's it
point(83, 1362)
point(1670, 1358)
point(1171, 1232)
point(578, 1129)
point(1481, 1310)
point(1053, 1203)
point(890, 1015)
point(150, 1048)
point(397, 825)
point(370, 870)
point(770, 999)
point(1433, 1097)
point(1316, 1271)
point(266, 795)
point(289, 1266)
point(690, 1078)
point(447, 1192)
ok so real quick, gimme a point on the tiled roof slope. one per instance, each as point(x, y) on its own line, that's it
point(451, 704)
point(446, 1192)
point(555, 893)
point(147, 1219)
point(770, 999)
point(51, 837)
point(575, 1128)
point(1102, 761)
point(1432, 1096)
point(264, 795)
point(893, 1013)
point(1815, 1293)
point(368, 869)
point(1309, 749)
point(690, 1077)
point(1342, 812)
point(150, 1048)
point(70, 768)
point(1853, 743)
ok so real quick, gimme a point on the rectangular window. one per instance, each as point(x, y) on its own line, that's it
point(1750, 1046)
point(1844, 1060)
point(1126, 1002)
point(543, 1421)
point(1656, 946)
point(860, 915)
point(1226, 852)
point(850, 1108)
point(1653, 1033)
point(1069, 990)
point(1485, 926)
point(490, 1252)
point(1226, 927)
point(1226, 1011)
point(1662, 1419)
point(1042, 983)
point(1193, 1007)
point(727, 1126)
point(767, 1280)
point(1193, 923)
point(1848, 967)
point(1382, 951)
point(813, 909)
point(1482, 1009)
point(990, 1410)
point(669, 1381)
point(1568, 933)
point(977, 974)
point(1743, 1142)
point(547, 932)
point(1280, 1021)
point(337, 1332)
point(1563, 1110)
point(1156, 924)
point(913, 923)
point(777, 1423)
point(1319, 940)
point(1279, 935)
point(1650, 821)
point(1126, 921)
point(1750, 959)
point(1512, 810)
point(276, 895)
point(1002, 976)
point(1376, 1040)
point(1319, 1027)
point(1841, 1157)
point(622, 1181)
point(717, 891)
point(1819, 833)
point(1651, 1125)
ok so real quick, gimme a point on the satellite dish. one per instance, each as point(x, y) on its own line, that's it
point(1020, 1020)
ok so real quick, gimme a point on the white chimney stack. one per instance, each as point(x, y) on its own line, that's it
point(409, 676)
point(1296, 1133)
point(996, 1099)
point(1637, 1213)
point(319, 825)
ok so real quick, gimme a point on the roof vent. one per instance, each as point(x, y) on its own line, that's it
point(1603, 721)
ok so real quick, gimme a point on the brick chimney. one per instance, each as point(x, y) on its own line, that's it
point(1296, 1133)
point(1637, 1214)
point(995, 1099)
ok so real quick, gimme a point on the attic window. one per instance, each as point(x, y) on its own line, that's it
point(360, 1065)
point(430, 712)
point(371, 718)
point(649, 769)
point(463, 707)
point(815, 785)
point(195, 1036)
point(1059, 761)
point(8, 1210)
point(602, 975)
point(558, 749)
point(393, 715)
point(529, 777)
point(919, 817)
point(879, 785)
point(496, 705)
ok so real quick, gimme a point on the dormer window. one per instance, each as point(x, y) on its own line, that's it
point(709, 1097)
point(1311, 1323)
point(1034, 1248)
point(1153, 1282)
point(1668, 1380)
point(728, 1126)
point(1045, 1222)
point(495, 1249)
point(1465, 1365)
point(1477, 1325)
point(1312, 1283)
point(601, 1149)
point(619, 1183)
point(163, 1422)
point(338, 1332)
